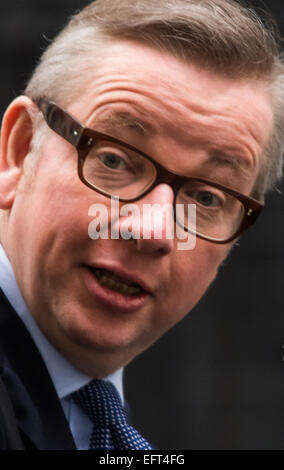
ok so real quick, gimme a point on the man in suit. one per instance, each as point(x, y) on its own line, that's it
point(153, 103)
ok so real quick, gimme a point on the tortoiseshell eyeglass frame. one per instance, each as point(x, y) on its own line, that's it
point(83, 139)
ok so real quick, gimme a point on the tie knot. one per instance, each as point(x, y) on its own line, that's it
point(101, 402)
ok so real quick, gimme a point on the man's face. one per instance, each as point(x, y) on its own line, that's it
point(190, 121)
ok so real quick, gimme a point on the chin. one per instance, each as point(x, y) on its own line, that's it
point(99, 354)
point(100, 337)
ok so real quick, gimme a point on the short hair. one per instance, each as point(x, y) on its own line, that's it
point(220, 35)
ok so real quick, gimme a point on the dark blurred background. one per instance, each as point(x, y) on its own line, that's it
point(216, 381)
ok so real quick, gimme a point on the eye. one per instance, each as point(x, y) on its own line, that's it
point(206, 198)
point(113, 161)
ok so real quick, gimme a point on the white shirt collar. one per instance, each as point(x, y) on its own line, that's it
point(66, 378)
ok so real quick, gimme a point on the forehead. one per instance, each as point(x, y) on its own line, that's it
point(130, 64)
point(127, 61)
point(134, 85)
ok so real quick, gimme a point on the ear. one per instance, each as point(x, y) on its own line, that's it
point(16, 135)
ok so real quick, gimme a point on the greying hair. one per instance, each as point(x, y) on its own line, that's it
point(220, 35)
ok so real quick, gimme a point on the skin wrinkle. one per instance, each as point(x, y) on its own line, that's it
point(240, 167)
point(204, 110)
point(109, 120)
point(106, 90)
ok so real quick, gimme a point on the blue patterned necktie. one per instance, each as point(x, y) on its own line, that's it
point(100, 400)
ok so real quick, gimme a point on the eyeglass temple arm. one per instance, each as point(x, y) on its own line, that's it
point(60, 122)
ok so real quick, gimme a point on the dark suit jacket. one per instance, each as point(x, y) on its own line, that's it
point(31, 415)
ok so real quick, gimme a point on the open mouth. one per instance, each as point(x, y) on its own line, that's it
point(116, 283)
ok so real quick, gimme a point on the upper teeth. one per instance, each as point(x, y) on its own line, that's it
point(116, 285)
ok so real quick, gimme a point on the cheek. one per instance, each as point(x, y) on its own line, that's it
point(51, 213)
point(57, 202)
point(192, 274)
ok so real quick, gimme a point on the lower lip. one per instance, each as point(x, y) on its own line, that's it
point(112, 298)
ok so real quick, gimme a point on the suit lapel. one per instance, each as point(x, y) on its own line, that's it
point(37, 408)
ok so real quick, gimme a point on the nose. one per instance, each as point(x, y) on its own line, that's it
point(150, 221)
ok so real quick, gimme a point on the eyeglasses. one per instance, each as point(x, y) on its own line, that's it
point(114, 168)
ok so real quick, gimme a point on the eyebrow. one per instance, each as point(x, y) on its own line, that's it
point(238, 164)
point(124, 119)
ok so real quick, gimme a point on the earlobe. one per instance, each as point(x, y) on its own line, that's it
point(16, 135)
point(8, 183)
